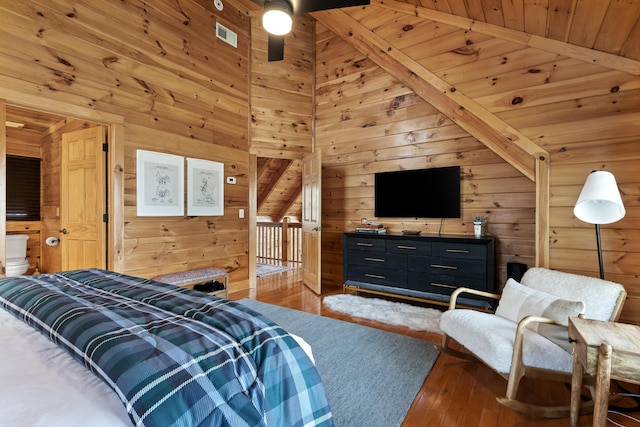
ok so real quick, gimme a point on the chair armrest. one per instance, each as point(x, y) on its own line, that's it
point(525, 321)
point(458, 291)
point(518, 342)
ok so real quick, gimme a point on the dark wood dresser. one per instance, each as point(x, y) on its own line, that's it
point(423, 267)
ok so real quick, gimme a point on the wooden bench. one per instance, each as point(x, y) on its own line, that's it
point(200, 276)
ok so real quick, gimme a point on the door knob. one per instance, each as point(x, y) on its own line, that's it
point(63, 231)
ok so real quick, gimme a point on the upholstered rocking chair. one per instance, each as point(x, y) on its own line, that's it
point(527, 335)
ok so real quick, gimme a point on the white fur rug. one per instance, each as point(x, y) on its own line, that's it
point(393, 313)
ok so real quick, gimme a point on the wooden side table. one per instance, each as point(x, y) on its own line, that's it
point(608, 350)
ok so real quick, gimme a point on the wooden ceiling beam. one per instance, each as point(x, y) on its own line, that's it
point(286, 207)
point(263, 168)
point(264, 195)
point(493, 132)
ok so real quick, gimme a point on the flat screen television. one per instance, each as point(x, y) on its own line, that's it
point(419, 193)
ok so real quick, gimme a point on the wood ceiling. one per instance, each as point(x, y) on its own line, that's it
point(610, 26)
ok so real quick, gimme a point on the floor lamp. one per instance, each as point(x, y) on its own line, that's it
point(599, 203)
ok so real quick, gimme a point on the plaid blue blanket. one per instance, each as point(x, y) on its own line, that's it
point(175, 357)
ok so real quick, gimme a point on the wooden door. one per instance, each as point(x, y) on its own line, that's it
point(311, 221)
point(83, 199)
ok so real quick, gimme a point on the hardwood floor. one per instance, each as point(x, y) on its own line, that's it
point(455, 393)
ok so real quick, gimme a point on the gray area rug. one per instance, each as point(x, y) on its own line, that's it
point(269, 269)
point(371, 376)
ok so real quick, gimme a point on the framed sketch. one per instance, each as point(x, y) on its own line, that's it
point(160, 184)
point(205, 188)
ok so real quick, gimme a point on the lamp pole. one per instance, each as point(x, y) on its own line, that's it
point(599, 251)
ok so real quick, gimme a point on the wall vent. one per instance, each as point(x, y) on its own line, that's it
point(226, 34)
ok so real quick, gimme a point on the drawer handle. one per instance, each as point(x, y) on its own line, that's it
point(374, 259)
point(458, 251)
point(448, 267)
point(364, 244)
point(413, 248)
point(375, 276)
point(443, 286)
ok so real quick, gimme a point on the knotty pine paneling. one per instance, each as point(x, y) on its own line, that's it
point(282, 92)
point(24, 143)
point(367, 122)
point(179, 89)
point(160, 245)
point(582, 112)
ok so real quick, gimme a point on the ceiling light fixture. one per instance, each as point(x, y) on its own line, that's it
point(11, 124)
point(277, 17)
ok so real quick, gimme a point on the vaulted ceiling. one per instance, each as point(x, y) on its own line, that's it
point(604, 26)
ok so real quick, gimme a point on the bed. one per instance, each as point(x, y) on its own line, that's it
point(150, 353)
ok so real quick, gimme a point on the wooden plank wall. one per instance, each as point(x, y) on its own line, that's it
point(180, 90)
point(282, 93)
point(368, 122)
point(585, 115)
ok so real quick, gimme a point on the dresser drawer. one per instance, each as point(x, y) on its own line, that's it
point(379, 276)
point(442, 283)
point(409, 247)
point(365, 244)
point(458, 267)
point(459, 250)
point(425, 283)
point(446, 280)
point(377, 259)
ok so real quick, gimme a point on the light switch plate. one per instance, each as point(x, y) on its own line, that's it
point(231, 180)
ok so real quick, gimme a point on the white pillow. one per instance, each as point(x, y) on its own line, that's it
point(518, 301)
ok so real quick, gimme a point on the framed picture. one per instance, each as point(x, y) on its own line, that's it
point(205, 188)
point(160, 184)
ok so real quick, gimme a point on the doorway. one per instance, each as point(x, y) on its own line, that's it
point(36, 134)
point(279, 210)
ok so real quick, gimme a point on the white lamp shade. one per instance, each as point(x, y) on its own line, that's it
point(600, 201)
point(277, 17)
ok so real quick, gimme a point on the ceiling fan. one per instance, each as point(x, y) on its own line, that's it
point(277, 18)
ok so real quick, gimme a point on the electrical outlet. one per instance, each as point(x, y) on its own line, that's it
point(231, 180)
point(241, 213)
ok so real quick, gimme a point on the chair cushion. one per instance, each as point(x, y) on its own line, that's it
point(599, 296)
point(491, 337)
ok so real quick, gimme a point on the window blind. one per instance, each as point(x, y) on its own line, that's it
point(23, 188)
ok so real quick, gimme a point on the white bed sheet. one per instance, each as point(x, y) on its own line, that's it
point(42, 386)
